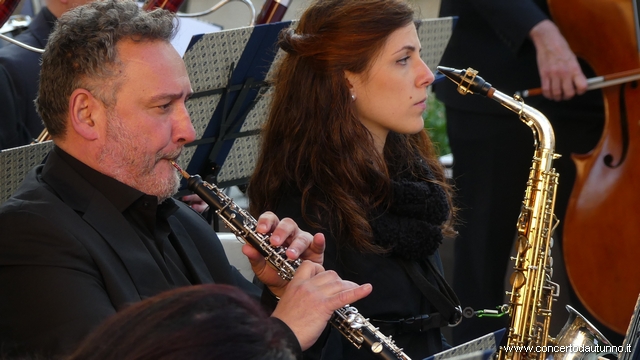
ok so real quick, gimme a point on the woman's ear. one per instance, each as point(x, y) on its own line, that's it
point(352, 83)
point(350, 78)
point(83, 107)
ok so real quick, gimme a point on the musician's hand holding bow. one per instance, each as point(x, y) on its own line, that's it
point(561, 77)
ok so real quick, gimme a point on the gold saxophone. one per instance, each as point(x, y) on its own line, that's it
point(533, 291)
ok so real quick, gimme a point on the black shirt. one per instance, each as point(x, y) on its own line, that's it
point(146, 216)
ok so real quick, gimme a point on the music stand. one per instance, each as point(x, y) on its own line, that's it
point(227, 70)
point(479, 348)
point(15, 163)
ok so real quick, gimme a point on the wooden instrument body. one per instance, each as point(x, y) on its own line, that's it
point(601, 233)
point(272, 11)
point(171, 5)
point(6, 9)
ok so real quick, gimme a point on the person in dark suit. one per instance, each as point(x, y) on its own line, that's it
point(345, 152)
point(94, 228)
point(19, 70)
point(514, 45)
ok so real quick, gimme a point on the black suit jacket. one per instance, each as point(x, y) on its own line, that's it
point(492, 37)
point(19, 74)
point(69, 259)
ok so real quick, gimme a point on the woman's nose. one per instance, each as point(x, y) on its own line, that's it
point(425, 77)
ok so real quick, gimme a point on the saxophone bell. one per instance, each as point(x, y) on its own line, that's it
point(578, 333)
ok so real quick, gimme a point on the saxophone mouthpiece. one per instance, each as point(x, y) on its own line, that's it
point(468, 81)
point(182, 172)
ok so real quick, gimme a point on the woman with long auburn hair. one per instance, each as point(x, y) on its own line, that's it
point(344, 152)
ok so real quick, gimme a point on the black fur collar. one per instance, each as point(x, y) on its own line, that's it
point(411, 226)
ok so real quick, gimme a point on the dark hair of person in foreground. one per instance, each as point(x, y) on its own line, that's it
point(189, 323)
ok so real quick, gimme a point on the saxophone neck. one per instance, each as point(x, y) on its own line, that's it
point(469, 82)
point(539, 124)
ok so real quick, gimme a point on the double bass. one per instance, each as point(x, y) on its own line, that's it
point(601, 236)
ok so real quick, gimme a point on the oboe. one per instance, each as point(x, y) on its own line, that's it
point(355, 327)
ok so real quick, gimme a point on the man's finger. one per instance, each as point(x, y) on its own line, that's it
point(581, 83)
point(286, 229)
point(306, 271)
point(267, 222)
point(350, 295)
point(315, 252)
point(255, 258)
point(300, 243)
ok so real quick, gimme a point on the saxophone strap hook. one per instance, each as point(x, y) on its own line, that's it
point(502, 310)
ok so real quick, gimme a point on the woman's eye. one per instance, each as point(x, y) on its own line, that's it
point(403, 61)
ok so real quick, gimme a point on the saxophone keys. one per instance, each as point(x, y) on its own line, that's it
point(523, 244)
point(517, 279)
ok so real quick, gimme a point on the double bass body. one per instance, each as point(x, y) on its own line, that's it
point(601, 230)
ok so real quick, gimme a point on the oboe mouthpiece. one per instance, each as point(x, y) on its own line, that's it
point(182, 172)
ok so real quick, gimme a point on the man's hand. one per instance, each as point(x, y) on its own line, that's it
point(560, 75)
point(285, 232)
point(312, 297)
point(195, 202)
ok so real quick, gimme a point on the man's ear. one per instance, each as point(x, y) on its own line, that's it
point(83, 108)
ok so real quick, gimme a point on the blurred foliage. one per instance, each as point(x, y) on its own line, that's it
point(436, 124)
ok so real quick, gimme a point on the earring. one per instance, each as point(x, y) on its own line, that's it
point(353, 97)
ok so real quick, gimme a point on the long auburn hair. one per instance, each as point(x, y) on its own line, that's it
point(313, 141)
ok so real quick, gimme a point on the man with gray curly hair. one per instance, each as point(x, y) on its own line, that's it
point(95, 229)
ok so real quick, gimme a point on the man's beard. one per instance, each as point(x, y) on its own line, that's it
point(129, 164)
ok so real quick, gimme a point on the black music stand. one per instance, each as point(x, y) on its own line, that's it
point(227, 70)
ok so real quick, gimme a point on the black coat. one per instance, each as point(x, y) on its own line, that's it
point(493, 38)
point(69, 259)
point(19, 75)
point(394, 295)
